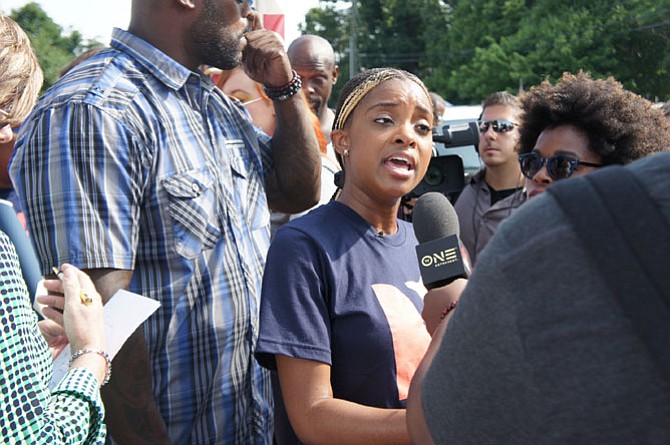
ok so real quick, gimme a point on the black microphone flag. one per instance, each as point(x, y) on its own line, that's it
point(441, 256)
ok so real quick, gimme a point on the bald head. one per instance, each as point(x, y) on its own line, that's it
point(314, 59)
point(314, 47)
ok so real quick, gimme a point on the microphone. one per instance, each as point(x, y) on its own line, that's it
point(442, 257)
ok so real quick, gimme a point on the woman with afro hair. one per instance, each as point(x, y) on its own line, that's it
point(581, 124)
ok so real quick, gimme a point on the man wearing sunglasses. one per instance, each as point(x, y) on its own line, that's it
point(497, 189)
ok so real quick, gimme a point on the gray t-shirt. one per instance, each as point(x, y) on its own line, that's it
point(538, 351)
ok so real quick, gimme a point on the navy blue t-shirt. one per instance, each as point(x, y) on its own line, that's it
point(336, 292)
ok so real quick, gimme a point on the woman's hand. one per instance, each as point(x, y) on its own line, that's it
point(54, 334)
point(437, 299)
point(79, 312)
point(83, 322)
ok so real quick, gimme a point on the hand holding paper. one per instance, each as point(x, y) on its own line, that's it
point(123, 314)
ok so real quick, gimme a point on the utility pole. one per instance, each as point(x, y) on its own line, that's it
point(353, 56)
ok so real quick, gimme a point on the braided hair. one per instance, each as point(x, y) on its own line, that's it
point(356, 89)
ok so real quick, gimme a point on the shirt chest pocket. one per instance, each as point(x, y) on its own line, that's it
point(240, 159)
point(248, 183)
point(193, 208)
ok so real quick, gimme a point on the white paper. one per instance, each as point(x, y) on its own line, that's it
point(123, 314)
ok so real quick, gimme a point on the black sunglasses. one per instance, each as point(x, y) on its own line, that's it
point(558, 166)
point(499, 126)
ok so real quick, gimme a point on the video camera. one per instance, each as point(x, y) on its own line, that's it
point(445, 172)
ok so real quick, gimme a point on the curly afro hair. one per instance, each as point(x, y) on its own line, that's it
point(620, 125)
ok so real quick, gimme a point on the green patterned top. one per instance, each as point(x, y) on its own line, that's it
point(29, 414)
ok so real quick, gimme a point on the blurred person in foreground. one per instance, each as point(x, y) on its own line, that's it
point(340, 312)
point(136, 168)
point(580, 124)
point(497, 190)
point(29, 412)
point(20, 78)
point(540, 349)
point(20, 82)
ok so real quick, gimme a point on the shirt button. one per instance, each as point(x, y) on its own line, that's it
point(195, 187)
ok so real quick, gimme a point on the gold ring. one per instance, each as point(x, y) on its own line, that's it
point(85, 298)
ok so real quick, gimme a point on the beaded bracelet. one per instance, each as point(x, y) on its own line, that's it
point(448, 308)
point(288, 90)
point(101, 353)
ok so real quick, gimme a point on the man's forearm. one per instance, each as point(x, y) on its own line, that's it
point(131, 413)
point(132, 416)
point(295, 182)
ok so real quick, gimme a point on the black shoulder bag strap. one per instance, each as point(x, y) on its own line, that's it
point(626, 235)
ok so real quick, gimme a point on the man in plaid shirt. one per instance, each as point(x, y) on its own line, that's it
point(137, 169)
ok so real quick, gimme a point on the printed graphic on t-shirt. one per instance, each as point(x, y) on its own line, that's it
point(410, 337)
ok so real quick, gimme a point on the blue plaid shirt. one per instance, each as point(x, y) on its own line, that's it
point(132, 161)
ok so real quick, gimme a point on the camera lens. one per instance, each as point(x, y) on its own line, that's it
point(433, 176)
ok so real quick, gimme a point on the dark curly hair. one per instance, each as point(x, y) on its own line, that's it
point(620, 125)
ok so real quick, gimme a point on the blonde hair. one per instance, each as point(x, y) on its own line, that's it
point(20, 73)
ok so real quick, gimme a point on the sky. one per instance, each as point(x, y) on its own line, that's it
point(96, 18)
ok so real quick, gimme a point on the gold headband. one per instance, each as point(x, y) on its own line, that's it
point(359, 93)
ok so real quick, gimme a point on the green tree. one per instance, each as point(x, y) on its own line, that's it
point(398, 33)
point(496, 45)
point(466, 49)
point(53, 49)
